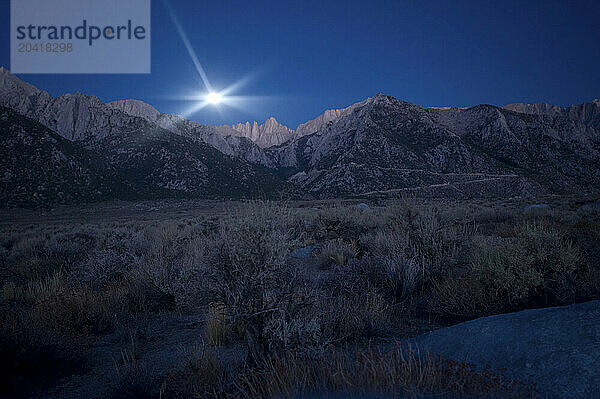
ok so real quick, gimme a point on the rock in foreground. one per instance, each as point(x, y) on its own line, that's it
point(556, 348)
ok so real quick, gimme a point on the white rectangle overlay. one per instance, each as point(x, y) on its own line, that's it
point(80, 36)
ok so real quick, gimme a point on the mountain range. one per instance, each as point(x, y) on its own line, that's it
point(75, 148)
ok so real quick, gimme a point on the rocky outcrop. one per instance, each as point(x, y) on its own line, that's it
point(76, 117)
point(270, 133)
point(327, 117)
point(586, 113)
point(383, 146)
point(20, 96)
point(136, 108)
point(558, 348)
point(39, 167)
point(129, 147)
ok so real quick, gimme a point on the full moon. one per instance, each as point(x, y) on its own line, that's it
point(214, 98)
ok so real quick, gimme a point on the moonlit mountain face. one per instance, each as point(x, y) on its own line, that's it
point(378, 147)
point(94, 151)
point(136, 108)
point(270, 133)
point(329, 116)
point(383, 146)
point(228, 141)
point(587, 113)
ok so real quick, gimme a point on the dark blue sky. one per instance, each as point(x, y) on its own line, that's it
point(314, 55)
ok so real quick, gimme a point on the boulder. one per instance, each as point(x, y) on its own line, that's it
point(303, 253)
point(363, 207)
point(556, 348)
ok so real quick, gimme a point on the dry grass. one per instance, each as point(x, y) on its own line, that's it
point(217, 331)
point(134, 378)
point(538, 266)
point(393, 372)
point(336, 252)
point(72, 282)
point(204, 375)
point(352, 318)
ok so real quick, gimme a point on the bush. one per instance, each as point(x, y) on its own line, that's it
point(429, 236)
point(353, 317)
point(344, 222)
point(395, 279)
point(538, 267)
point(370, 295)
point(75, 311)
point(302, 332)
point(64, 306)
point(388, 243)
point(245, 269)
point(217, 331)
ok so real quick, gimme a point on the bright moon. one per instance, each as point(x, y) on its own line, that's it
point(214, 98)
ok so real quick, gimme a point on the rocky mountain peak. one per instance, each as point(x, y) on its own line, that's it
point(586, 113)
point(270, 133)
point(137, 108)
point(382, 98)
point(12, 87)
point(329, 116)
point(271, 122)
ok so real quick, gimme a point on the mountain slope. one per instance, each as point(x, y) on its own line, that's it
point(560, 152)
point(230, 144)
point(385, 145)
point(159, 158)
point(39, 167)
point(379, 146)
point(327, 117)
point(139, 154)
point(586, 113)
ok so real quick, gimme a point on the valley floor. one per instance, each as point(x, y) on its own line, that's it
point(198, 298)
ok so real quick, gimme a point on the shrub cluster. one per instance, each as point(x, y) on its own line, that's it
point(536, 267)
point(371, 272)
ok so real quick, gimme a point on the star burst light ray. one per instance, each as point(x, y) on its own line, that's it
point(210, 96)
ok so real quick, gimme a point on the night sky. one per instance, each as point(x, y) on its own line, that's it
point(300, 58)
